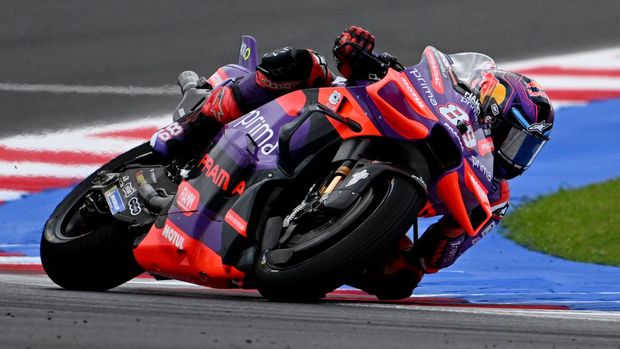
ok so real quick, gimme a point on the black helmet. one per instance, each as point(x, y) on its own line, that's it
point(521, 116)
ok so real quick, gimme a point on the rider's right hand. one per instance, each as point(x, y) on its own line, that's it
point(351, 48)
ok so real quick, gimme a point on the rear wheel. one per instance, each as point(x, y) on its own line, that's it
point(326, 254)
point(83, 250)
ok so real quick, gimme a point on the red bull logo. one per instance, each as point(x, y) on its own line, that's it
point(492, 88)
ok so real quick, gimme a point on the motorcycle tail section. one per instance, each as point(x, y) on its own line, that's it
point(248, 53)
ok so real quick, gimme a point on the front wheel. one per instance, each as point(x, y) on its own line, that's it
point(356, 237)
point(81, 251)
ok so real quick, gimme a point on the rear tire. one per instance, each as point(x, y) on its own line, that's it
point(79, 255)
point(394, 207)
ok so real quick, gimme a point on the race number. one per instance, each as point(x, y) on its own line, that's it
point(456, 115)
point(170, 132)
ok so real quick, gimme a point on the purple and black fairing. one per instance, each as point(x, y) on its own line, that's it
point(422, 123)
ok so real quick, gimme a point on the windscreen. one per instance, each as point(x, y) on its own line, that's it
point(468, 66)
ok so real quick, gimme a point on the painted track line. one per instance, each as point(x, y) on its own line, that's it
point(167, 90)
point(607, 316)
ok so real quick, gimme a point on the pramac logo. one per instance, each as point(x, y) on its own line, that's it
point(218, 175)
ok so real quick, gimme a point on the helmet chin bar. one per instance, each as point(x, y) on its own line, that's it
point(504, 169)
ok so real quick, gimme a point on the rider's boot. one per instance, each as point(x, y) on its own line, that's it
point(439, 246)
point(394, 279)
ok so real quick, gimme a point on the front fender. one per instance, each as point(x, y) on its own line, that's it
point(360, 177)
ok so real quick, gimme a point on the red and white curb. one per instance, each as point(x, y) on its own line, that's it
point(35, 162)
point(576, 78)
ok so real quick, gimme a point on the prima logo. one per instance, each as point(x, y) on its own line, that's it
point(480, 167)
point(257, 127)
point(424, 86)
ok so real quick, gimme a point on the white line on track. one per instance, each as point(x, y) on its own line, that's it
point(166, 90)
point(607, 58)
point(6, 195)
point(20, 260)
point(568, 82)
point(29, 169)
point(81, 139)
point(606, 316)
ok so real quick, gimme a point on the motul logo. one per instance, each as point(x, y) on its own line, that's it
point(173, 236)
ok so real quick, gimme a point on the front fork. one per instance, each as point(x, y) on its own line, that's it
point(349, 153)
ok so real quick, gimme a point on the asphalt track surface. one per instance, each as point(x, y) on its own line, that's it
point(37, 314)
point(146, 43)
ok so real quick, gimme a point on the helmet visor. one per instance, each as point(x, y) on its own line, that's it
point(521, 147)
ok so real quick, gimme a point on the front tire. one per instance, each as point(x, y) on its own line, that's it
point(391, 206)
point(97, 254)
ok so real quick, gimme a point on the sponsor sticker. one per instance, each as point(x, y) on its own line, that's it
point(260, 130)
point(128, 189)
point(172, 234)
point(245, 51)
point(134, 206)
point(335, 98)
point(236, 222)
point(485, 146)
point(436, 71)
point(188, 198)
point(356, 177)
point(539, 127)
point(114, 200)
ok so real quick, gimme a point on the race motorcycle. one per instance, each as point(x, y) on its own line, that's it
point(295, 198)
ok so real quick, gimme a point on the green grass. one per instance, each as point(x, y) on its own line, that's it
point(581, 225)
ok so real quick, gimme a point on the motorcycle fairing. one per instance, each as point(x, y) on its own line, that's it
point(169, 251)
point(342, 101)
point(200, 243)
point(211, 213)
point(411, 103)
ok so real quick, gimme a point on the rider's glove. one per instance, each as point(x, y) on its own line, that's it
point(352, 50)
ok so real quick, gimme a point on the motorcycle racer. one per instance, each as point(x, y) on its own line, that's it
point(517, 109)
